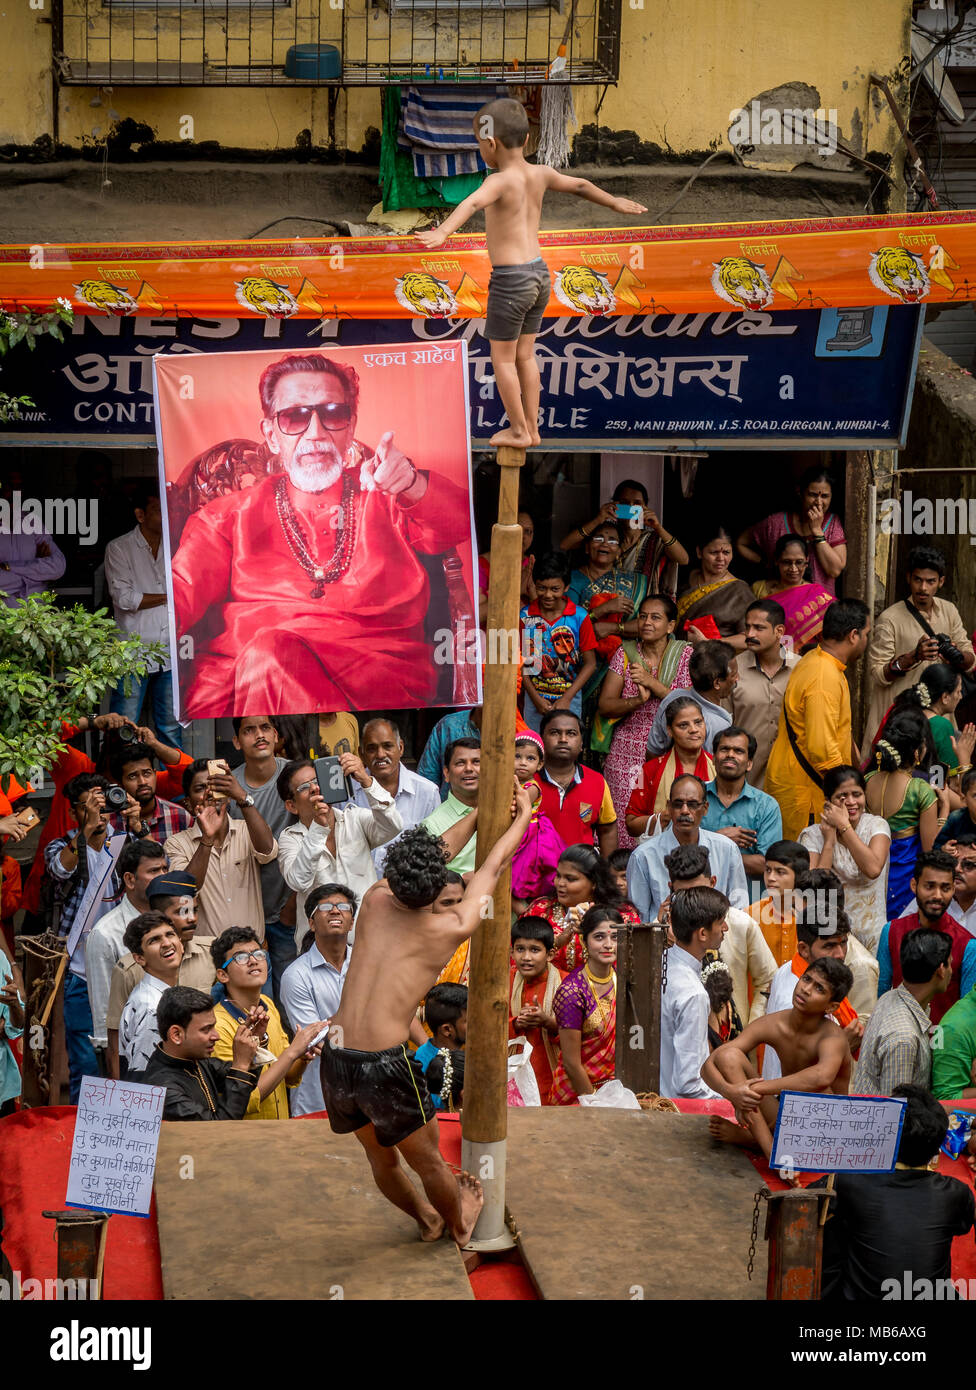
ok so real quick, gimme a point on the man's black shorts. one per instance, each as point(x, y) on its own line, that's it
point(386, 1089)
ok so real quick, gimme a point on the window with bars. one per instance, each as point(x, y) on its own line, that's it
point(352, 43)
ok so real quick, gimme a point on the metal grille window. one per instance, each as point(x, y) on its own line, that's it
point(351, 43)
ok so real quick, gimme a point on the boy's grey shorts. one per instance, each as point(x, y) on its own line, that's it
point(517, 299)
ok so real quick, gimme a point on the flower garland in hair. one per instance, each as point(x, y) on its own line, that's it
point(884, 744)
point(445, 1052)
point(924, 695)
point(711, 967)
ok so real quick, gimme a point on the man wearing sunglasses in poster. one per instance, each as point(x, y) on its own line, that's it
point(304, 590)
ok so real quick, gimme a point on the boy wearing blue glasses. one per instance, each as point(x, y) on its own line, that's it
point(242, 977)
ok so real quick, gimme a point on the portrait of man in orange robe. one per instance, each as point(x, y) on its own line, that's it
point(304, 591)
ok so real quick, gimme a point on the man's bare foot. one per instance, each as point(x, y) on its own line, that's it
point(729, 1133)
point(535, 439)
point(472, 1200)
point(516, 439)
point(431, 1225)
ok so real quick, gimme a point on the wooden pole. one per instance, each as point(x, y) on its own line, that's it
point(484, 1120)
point(638, 1048)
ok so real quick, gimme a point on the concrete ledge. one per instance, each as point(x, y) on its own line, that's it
point(66, 201)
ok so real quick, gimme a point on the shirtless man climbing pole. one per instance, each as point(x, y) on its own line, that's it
point(371, 1084)
point(813, 1051)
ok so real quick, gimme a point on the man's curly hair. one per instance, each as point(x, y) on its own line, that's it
point(416, 867)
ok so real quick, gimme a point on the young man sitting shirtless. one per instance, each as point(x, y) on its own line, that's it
point(372, 1086)
point(814, 1053)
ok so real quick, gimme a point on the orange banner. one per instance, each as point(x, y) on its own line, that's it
point(820, 263)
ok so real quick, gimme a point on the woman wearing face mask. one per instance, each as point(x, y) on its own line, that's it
point(856, 845)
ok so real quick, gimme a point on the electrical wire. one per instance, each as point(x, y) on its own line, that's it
point(251, 235)
point(675, 201)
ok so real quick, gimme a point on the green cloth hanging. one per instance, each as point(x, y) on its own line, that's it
point(399, 184)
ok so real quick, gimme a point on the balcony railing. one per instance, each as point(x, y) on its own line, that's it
point(197, 43)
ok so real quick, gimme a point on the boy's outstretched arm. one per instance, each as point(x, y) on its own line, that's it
point(582, 188)
point(482, 883)
point(489, 192)
point(830, 1058)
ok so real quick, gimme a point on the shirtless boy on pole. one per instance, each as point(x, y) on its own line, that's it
point(372, 1086)
point(813, 1050)
point(518, 291)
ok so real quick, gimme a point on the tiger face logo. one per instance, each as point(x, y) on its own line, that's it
point(585, 291)
point(267, 297)
point(900, 273)
point(110, 299)
point(425, 295)
point(742, 283)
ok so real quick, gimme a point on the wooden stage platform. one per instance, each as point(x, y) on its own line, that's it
point(607, 1205)
point(623, 1204)
point(278, 1211)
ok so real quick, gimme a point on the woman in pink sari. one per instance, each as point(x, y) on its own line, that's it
point(586, 1011)
point(811, 518)
point(641, 673)
point(803, 603)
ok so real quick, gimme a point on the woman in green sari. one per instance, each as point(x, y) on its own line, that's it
point(715, 593)
point(611, 596)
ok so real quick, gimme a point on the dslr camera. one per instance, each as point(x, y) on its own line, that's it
point(115, 798)
point(949, 652)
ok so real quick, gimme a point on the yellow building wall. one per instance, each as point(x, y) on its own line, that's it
point(685, 66)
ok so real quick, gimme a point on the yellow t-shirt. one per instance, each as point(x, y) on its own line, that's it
point(275, 1105)
point(339, 736)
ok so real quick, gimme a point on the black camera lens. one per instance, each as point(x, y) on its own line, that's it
point(127, 734)
point(115, 798)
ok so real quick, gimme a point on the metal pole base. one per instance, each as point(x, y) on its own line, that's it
point(487, 1163)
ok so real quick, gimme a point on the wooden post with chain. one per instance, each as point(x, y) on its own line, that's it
point(484, 1120)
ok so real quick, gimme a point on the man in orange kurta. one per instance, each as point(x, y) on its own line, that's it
point(817, 708)
point(305, 590)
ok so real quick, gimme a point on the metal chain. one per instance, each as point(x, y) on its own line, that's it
point(664, 965)
point(761, 1196)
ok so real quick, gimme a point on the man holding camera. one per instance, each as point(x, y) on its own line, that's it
point(83, 867)
point(331, 845)
point(222, 855)
point(913, 633)
point(134, 771)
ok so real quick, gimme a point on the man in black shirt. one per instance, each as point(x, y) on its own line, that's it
point(197, 1087)
point(890, 1234)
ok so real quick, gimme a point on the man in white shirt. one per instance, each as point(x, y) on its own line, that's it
point(135, 573)
point(647, 876)
point(139, 862)
point(743, 952)
point(413, 796)
point(698, 926)
point(312, 985)
point(331, 845)
point(157, 947)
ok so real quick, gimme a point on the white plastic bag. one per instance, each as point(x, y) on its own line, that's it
point(613, 1095)
point(523, 1089)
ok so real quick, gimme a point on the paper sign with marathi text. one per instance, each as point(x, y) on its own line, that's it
point(818, 1133)
point(113, 1156)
